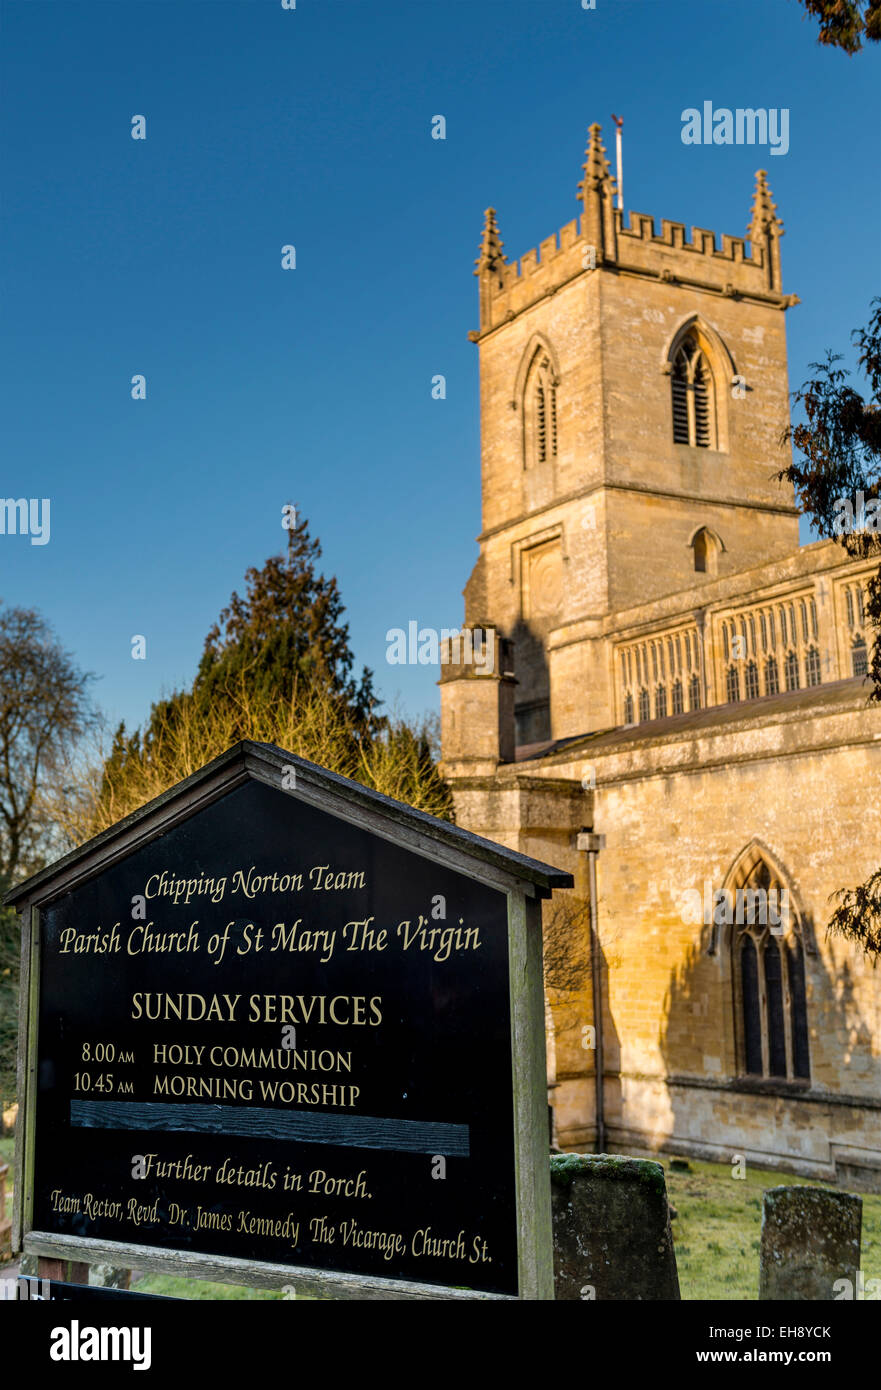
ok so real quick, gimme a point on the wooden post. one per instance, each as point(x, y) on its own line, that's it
point(62, 1271)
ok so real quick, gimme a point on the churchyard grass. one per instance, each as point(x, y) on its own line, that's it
point(170, 1286)
point(717, 1229)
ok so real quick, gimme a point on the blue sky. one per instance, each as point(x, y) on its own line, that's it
point(312, 127)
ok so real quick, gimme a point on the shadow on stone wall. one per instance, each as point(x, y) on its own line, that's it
point(569, 985)
point(699, 1030)
point(533, 696)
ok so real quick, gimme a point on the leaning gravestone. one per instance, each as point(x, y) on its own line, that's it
point(810, 1240)
point(612, 1235)
point(280, 1030)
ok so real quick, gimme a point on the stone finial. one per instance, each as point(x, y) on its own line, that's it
point(491, 257)
point(597, 173)
point(597, 190)
point(764, 210)
point(489, 266)
point(765, 230)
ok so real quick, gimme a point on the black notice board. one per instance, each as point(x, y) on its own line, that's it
point(252, 1074)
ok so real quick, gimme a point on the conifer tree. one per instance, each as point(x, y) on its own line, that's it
point(276, 667)
point(288, 626)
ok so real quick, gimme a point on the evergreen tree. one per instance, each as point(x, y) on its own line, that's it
point(286, 628)
point(276, 668)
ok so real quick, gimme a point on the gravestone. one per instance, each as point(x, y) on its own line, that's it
point(611, 1223)
point(810, 1241)
point(285, 1032)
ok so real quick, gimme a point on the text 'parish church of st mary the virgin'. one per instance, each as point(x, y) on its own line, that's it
point(675, 674)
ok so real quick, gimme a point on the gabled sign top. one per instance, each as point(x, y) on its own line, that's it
point(329, 791)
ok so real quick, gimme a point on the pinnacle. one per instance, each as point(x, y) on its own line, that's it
point(596, 165)
point(764, 209)
point(491, 256)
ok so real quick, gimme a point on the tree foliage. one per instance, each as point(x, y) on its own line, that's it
point(846, 23)
point(398, 759)
point(276, 668)
point(840, 445)
point(288, 626)
point(10, 948)
point(44, 707)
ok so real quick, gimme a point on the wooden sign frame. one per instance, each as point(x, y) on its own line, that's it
point(524, 881)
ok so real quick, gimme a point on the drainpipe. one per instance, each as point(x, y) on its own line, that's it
point(592, 844)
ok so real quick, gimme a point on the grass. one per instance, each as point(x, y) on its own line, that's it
point(173, 1286)
point(716, 1233)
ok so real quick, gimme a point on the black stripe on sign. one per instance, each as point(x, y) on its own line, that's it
point(257, 1122)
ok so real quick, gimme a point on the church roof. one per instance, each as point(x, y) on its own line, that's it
point(817, 699)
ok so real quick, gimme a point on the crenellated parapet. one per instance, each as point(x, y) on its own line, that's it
point(599, 242)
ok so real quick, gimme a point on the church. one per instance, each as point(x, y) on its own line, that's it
point(676, 709)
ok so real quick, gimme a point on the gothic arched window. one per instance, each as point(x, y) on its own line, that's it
point(733, 684)
point(540, 411)
point(772, 677)
point(694, 693)
point(628, 708)
point(693, 397)
point(660, 702)
point(677, 697)
point(643, 705)
point(767, 960)
point(706, 548)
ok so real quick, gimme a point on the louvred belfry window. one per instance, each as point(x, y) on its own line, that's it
point(692, 397)
point(681, 433)
point(540, 407)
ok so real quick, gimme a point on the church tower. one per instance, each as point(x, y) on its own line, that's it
point(633, 395)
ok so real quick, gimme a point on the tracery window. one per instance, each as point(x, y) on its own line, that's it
point(768, 971)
